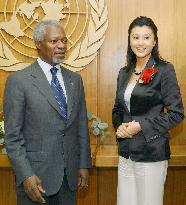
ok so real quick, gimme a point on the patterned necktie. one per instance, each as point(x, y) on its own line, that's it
point(59, 94)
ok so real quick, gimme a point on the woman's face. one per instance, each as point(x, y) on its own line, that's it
point(142, 41)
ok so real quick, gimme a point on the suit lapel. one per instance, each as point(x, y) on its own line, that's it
point(41, 82)
point(150, 64)
point(140, 88)
point(125, 77)
point(69, 86)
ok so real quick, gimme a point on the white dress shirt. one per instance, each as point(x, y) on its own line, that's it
point(46, 69)
point(127, 94)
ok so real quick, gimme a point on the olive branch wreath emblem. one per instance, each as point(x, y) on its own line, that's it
point(82, 54)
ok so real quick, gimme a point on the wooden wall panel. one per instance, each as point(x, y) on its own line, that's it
point(107, 186)
point(103, 186)
point(89, 77)
point(3, 77)
point(7, 187)
point(90, 195)
point(175, 187)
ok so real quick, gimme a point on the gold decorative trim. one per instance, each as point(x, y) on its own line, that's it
point(7, 60)
point(86, 50)
point(82, 54)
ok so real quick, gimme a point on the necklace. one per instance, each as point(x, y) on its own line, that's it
point(138, 70)
point(137, 73)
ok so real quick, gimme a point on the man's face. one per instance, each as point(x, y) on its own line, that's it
point(53, 48)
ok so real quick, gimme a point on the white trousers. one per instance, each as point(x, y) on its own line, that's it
point(141, 183)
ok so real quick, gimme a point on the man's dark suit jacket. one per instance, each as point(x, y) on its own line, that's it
point(36, 139)
point(147, 106)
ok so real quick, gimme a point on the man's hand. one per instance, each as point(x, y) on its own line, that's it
point(33, 188)
point(83, 179)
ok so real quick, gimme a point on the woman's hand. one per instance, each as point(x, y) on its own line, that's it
point(127, 130)
point(133, 127)
point(122, 131)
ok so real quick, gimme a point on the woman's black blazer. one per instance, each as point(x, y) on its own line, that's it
point(157, 106)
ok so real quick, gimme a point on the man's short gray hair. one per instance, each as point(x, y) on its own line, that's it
point(41, 29)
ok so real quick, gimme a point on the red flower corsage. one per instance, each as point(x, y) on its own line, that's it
point(147, 75)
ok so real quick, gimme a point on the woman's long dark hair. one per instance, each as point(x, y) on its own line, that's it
point(143, 21)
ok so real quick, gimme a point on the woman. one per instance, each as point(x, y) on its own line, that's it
point(147, 105)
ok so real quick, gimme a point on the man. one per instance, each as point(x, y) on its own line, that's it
point(46, 133)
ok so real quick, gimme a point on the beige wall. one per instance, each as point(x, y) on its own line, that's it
point(100, 83)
